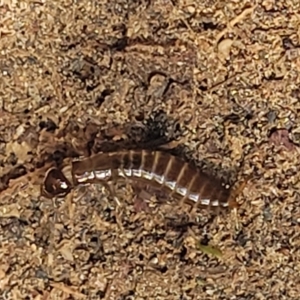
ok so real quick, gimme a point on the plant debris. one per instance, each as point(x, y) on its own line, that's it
point(210, 250)
point(281, 137)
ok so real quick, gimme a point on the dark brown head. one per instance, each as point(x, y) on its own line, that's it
point(55, 184)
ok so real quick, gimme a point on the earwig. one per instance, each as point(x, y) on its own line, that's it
point(181, 180)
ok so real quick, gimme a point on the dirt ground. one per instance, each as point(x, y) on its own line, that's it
point(219, 76)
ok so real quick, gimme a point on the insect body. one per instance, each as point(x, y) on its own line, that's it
point(181, 180)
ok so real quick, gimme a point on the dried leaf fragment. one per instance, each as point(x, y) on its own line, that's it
point(224, 47)
point(208, 249)
point(9, 211)
point(66, 250)
point(20, 150)
point(281, 137)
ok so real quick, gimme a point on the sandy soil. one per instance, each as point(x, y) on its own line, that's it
point(220, 76)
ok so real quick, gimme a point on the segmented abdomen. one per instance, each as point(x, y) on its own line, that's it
point(183, 180)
